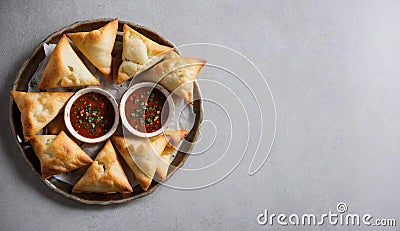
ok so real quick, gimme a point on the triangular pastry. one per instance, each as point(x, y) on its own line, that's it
point(38, 109)
point(97, 45)
point(177, 75)
point(58, 154)
point(141, 155)
point(147, 156)
point(174, 137)
point(56, 125)
point(137, 50)
point(104, 175)
point(65, 69)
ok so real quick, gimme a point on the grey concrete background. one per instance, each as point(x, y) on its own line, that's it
point(334, 70)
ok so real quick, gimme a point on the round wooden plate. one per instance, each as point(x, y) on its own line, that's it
point(21, 84)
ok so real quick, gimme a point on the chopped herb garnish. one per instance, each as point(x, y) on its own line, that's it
point(92, 115)
point(141, 109)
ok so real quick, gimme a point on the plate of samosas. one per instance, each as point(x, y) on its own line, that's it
point(105, 110)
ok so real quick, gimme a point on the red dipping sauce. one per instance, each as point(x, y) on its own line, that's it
point(92, 115)
point(144, 109)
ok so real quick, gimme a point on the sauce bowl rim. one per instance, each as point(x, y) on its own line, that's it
point(129, 91)
point(67, 115)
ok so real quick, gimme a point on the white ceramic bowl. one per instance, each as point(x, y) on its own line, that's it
point(68, 109)
point(169, 101)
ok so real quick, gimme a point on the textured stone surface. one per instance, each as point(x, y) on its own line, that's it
point(333, 68)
